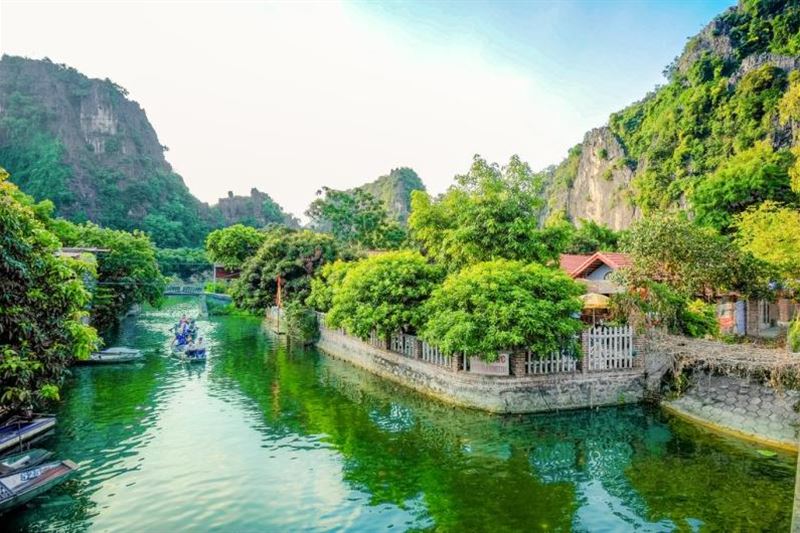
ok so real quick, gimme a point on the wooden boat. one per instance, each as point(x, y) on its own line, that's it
point(189, 355)
point(15, 462)
point(25, 485)
point(119, 354)
point(20, 430)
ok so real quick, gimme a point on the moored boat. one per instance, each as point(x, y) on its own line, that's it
point(119, 354)
point(18, 431)
point(21, 487)
point(15, 462)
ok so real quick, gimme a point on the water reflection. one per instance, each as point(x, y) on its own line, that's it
point(264, 437)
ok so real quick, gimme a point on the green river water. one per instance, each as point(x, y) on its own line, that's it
point(263, 437)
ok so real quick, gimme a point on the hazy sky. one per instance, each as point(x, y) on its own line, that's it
point(288, 97)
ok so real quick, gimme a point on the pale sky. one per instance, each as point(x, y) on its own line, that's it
point(288, 97)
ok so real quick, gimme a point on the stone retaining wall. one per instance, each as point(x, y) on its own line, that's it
point(735, 405)
point(496, 394)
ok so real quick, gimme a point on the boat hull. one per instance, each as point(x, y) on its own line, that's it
point(15, 433)
point(21, 487)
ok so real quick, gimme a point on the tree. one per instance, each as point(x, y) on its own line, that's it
point(127, 273)
point(232, 246)
point(295, 256)
point(503, 305)
point(490, 213)
point(746, 179)
point(771, 232)
point(591, 237)
point(355, 217)
point(694, 260)
point(184, 263)
point(326, 283)
point(42, 302)
point(384, 293)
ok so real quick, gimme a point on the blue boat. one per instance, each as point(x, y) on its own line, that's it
point(25, 485)
point(18, 431)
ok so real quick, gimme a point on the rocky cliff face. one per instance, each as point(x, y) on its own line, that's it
point(723, 96)
point(258, 209)
point(598, 186)
point(83, 144)
point(394, 190)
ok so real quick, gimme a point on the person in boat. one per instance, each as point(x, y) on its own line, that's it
point(192, 327)
point(200, 345)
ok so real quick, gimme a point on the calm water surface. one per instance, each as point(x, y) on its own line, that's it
point(265, 438)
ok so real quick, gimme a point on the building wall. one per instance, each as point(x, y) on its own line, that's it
point(599, 273)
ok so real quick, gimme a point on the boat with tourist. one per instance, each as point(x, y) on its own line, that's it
point(13, 463)
point(20, 430)
point(119, 354)
point(22, 486)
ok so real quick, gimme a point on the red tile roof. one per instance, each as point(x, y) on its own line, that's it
point(577, 265)
point(570, 262)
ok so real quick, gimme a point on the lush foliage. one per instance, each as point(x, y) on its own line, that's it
point(746, 179)
point(592, 237)
point(655, 304)
point(384, 293)
point(301, 322)
point(42, 303)
point(185, 263)
point(295, 256)
point(355, 217)
point(503, 305)
point(490, 213)
point(771, 232)
point(234, 245)
point(680, 134)
point(127, 273)
point(325, 284)
point(793, 335)
point(694, 260)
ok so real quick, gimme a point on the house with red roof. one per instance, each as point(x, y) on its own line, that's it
point(595, 270)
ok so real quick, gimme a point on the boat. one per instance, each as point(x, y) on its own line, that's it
point(119, 354)
point(15, 462)
point(197, 354)
point(17, 431)
point(23, 486)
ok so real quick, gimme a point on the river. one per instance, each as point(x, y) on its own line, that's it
point(265, 437)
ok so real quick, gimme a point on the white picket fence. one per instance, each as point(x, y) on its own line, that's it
point(555, 364)
point(609, 348)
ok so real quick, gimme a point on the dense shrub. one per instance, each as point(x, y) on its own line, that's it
point(384, 293)
point(295, 256)
point(325, 284)
point(503, 305)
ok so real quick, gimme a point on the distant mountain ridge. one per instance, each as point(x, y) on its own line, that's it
point(83, 144)
point(728, 102)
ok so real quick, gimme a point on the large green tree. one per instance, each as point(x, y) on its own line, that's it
point(771, 232)
point(355, 217)
point(42, 304)
point(490, 213)
point(384, 293)
point(295, 256)
point(127, 271)
point(503, 305)
point(746, 179)
point(234, 245)
point(694, 260)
